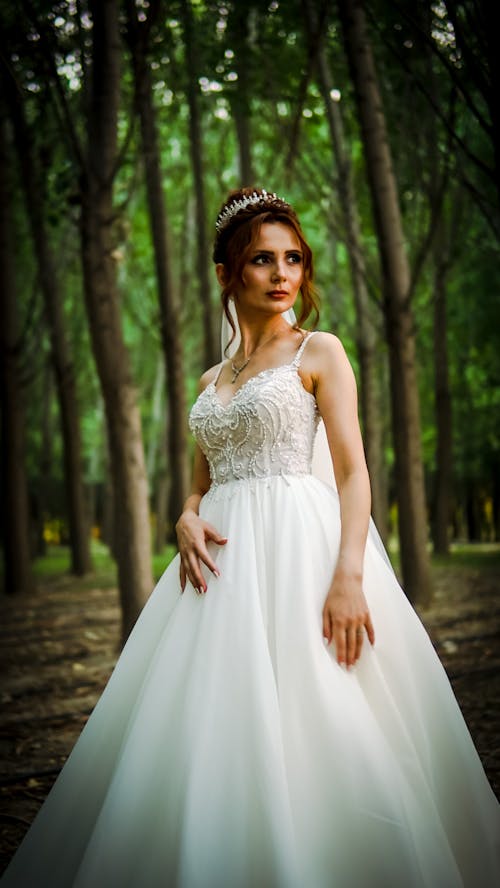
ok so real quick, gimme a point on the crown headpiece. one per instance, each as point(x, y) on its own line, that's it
point(261, 197)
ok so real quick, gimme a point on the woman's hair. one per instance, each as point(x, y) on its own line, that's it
point(238, 226)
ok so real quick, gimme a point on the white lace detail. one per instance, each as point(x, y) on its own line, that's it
point(267, 428)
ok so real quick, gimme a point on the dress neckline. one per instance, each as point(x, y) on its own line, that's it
point(247, 381)
point(293, 364)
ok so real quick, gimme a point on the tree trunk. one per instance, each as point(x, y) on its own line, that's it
point(366, 339)
point(156, 421)
point(238, 25)
point(62, 363)
point(44, 480)
point(412, 518)
point(442, 408)
point(169, 308)
point(130, 488)
point(211, 343)
point(18, 576)
point(162, 497)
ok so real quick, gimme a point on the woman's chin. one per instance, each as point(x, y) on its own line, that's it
point(280, 303)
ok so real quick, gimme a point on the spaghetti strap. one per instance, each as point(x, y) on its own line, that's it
point(219, 371)
point(298, 356)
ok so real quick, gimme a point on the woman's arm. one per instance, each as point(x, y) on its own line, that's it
point(345, 613)
point(192, 532)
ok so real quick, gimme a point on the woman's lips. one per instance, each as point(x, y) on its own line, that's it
point(277, 293)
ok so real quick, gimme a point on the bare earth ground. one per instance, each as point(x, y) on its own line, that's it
point(58, 649)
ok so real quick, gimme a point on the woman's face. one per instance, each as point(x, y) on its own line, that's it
point(273, 272)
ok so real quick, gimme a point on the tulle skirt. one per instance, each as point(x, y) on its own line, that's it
point(230, 750)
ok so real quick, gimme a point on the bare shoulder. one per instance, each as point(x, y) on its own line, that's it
point(325, 344)
point(324, 354)
point(208, 376)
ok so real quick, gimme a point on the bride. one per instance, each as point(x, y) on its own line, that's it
point(278, 716)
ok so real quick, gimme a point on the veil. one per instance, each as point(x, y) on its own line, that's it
point(322, 464)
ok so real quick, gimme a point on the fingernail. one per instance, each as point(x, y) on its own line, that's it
point(325, 640)
point(216, 572)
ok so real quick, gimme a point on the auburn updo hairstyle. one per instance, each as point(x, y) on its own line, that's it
point(235, 240)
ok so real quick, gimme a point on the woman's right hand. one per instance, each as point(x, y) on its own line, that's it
point(192, 536)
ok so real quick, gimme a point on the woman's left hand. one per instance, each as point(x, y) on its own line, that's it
point(346, 617)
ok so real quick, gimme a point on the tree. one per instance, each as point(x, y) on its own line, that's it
point(195, 143)
point(442, 492)
point(239, 95)
point(62, 363)
point(18, 577)
point(461, 35)
point(396, 280)
point(169, 309)
point(130, 488)
point(366, 333)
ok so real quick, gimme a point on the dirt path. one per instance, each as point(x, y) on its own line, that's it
point(58, 650)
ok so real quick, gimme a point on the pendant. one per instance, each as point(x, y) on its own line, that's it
point(237, 370)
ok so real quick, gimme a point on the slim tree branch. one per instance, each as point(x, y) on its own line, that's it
point(451, 69)
point(46, 45)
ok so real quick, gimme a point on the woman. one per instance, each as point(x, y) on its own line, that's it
point(278, 716)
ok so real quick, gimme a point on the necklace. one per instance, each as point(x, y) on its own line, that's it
point(237, 370)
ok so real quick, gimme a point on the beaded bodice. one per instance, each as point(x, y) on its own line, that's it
point(267, 428)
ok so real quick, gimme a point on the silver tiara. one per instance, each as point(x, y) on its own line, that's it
point(237, 205)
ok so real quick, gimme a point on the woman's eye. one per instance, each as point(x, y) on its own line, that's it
point(264, 259)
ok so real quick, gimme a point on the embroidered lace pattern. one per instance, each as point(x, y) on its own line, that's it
point(267, 428)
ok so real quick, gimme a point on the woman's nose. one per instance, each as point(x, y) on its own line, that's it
point(279, 271)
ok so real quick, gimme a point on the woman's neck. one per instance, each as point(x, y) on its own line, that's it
point(255, 333)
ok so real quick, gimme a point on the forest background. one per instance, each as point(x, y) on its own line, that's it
point(124, 125)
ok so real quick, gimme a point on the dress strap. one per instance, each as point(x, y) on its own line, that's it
point(298, 356)
point(219, 371)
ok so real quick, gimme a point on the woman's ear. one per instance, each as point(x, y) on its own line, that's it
point(220, 271)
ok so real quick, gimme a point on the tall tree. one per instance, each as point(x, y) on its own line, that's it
point(433, 220)
point(442, 398)
point(88, 119)
point(139, 33)
point(130, 488)
point(406, 429)
point(366, 333)
point(34, 193)
point(461, 34)
point(211, 344)
point(18, 575)
point(239, 96)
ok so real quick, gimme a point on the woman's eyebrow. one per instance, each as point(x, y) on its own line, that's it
point(271, 252)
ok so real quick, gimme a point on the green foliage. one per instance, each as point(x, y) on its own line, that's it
point(275, 52)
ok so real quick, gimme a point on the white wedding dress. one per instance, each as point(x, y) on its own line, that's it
point(229, 749)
